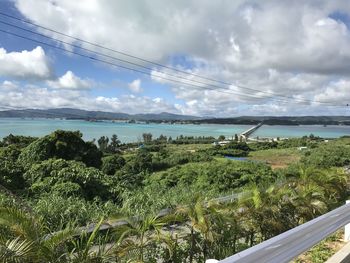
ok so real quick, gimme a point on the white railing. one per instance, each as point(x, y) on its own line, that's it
point(290, 244)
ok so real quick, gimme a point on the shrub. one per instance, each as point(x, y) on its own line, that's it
point(111, 164)
point(66, 145)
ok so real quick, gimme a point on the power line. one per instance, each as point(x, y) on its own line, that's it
point(135, 64)
point(144, 60)
point(142, 72)
point(213, 88)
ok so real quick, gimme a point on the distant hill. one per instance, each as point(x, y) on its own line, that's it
point(69, 113)
point(281, 120)
point(88, 115)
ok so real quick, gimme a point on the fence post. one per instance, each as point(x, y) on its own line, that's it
point(347, 229)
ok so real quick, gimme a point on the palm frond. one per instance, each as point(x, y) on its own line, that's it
point(17, 250)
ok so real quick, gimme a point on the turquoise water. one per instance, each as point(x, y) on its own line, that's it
point(125, 131)
point(133, 132)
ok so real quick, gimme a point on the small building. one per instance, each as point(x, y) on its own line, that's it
point(223, 142)
point(302, 148)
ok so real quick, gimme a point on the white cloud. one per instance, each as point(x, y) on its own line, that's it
point(8, 85)
point(337, 92)
point(71, 81)
point(26, 64)
point(295, 49)
point(255, 34)
point(33, 96)
point(135, 86)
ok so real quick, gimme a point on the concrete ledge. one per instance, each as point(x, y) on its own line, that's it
point(342, 256)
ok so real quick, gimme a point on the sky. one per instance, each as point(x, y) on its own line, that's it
point(231, 58)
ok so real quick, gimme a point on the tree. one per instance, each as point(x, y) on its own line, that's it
point(142, 162)
point(138, 234)
point(66, 145)
point(111, 164)
point(103, 143)
point(11, 174)
point(86, 251)
point(51, 174)
point(260, 206)
point(27, 241)
point(236, 137)
point(200, 218)
point(147, 137)
point(20, 141)
point(114, 144)
point(221, 138)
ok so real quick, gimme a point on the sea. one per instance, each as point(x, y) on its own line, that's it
point(132, 132)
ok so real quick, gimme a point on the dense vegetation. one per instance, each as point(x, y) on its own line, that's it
point(49, 186)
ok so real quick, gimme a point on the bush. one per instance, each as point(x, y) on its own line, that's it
point(66, 145)
point(51, 174)
point(328, 156)
point(11, 175)
point(58, 211)
point(111, 164)
point(19, 141)
point(221, 176)
point(235, 149)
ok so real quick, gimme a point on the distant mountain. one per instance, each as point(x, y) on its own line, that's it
point(98, 115)
point(281, 120)
point(69, 113)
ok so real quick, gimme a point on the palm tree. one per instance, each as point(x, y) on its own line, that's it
point(260, 209)
point(87, 251)
point(24, 239)
point(137, 236)
point(200, 218)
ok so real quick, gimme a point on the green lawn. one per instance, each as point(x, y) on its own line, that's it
point(187, 147)
point(277, 158)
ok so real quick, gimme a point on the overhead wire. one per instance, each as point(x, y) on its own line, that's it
point(188, 82)
point(146, 60)
point(134, 64)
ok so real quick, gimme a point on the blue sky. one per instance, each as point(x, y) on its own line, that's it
point(280, 58)
point(109, 81)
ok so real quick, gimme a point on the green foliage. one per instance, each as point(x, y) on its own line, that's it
point(11, 174)
point(103, 143)
point(61, 144)
point(113, 147)
point(141, 162)
point(147, 137)
point(235, 149)
point(112, 163)
point(54, 175)
point(310, 142)
point(109, 146)
point(51, 174)
point(222, 176)
point(18, 141)
point(58, 210)
point(192, 140)
point(328, 155)
point(164, 160)
point(263, 146)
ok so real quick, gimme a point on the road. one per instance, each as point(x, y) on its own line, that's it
point(290, 244)
point(113, 224)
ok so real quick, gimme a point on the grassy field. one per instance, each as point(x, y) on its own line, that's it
point(277, 158)
point(187, 147)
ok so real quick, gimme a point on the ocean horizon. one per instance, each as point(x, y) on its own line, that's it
point(132, 132)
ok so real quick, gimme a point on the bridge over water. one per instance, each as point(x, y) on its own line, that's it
point(244, 135)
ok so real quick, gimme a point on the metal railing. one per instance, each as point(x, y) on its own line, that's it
point(290, 244)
